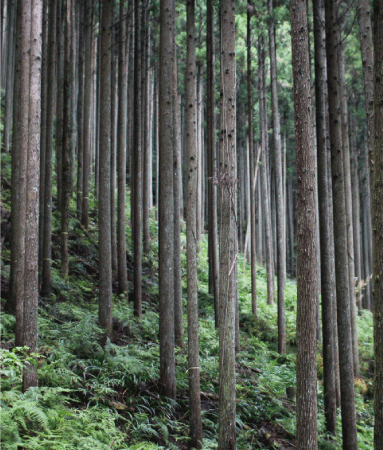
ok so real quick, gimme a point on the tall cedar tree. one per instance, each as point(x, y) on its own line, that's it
point(104, 244)
point(191, 227)
point(228, 230)
point(137, 166)
point(121, 155)
point(378, 225)
point(253, 259)
point(279, 203)
point(166, 200)
point(350, 441)
point(212, 159)
point(307, 434)
point(327, 295)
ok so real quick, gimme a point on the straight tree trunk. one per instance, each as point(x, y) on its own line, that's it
point(11, 36)
point(326, 262)
point(31, 293)
point(348, 199)
point(121, 155)
point(80, 110)
point(87, 110)
point(377, 219)
point(51, 85)
point(228, 230)
point(264, 173)
point(253, 260)
point(212, 161)
point(137, 167)
point(177, 182)
point(104, 244)
point(191, 227)
point(166, 197)
point(16, 165)
point(281, 244)
point(66, 175)
point(340, 235)
point(59, 101)
point(307, 434)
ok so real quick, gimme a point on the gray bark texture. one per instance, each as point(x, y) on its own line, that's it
point(228, 231)
point(307, 433)
point(378, 226)
point(104, 243)
point(166, 197)
point(350, 441)
point(325, 236)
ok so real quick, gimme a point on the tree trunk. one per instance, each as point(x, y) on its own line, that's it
point(191, 227)
point(307, 434)
point(11, 36)
point(253, 260)
point(80, 111)
point(121, 155)
point(264, 172)
point(104, 244)
point(340, 235)
point(166, 198)
point(51, 85)
point(212, 161)
point(137, 167)
point(66, 176)
point(324, 226)
point(228, 231)
point(377, 218)
point(31, 294)
point(281, 244)
point(59, 102)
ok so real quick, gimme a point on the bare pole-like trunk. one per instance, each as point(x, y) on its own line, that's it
point(279, 203)
point(66, 174)
point(121, 155)
point(264, 173)
point(31, 278)
point(212, 161)
point(51, 85)
point(307, 433)
point(377, 219)
point(137, 166)
point(228, 231)
point(326, 262)
point(253, 260)
point(340, 234)
point(166, 198)
point(191, 227)
point(104, 237)
point(80, 111)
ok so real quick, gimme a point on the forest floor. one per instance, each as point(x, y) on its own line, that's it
point(94, 397)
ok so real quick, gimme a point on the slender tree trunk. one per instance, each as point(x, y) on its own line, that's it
point(121, 155)
point(87, 110)
point(377, 219)
point(191, 227)
point(66, 175)
point(31, 278)
point(166, 200)
point(212, 161)
point(281, 244)
point(178, 313)
point(326, 265)
point(16, 180)
point(348, 199)
point(137, 150)
point(340, 236)
point(80, 111)
point(264, 172)
point(59, 102)
point(228, 231)
point(104, 244)
point(307, 434)
point(11, 11)
point(51, 85)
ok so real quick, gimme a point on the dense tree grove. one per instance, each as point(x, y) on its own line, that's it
point(137, 134)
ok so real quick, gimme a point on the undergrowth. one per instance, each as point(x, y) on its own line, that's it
point(94, 397)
